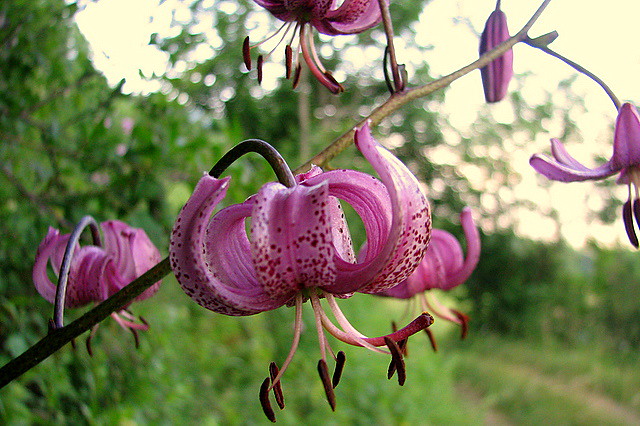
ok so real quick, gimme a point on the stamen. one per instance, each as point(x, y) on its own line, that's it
point(264, 400)
point(627, 218)
point(314, 65)
point(432, 339)
point(464, 322)
point(438, 308)
point(288, 60)
point(402, 344)
point(296, 75)
point(246, 53)
point(259, 67)
point(337, 373)
point(326, 382)
point(89, 339)
point(277, 385)
point(397, 362)
point(636, 210)
point(297, 330)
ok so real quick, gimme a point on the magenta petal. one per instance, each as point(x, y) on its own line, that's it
point(187, 249)
point(626, 142)
point(52, 247)
point(458, 275)
point(291, 238)
point(408, 238)
point(352, 17)
point(562, 156)
point(570, 172)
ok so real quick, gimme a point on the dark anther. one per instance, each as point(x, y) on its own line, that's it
point(464, 323)
point(296, 75)
point(136, 338)
point(336, 87)
point(397, 362)
point(288, 61)
point(326, 382)
point(432, 339)
point(259, 67)
point(627, 218)
point(264, 400)
point(52, 325)
point(246, 53)
point(636, 211)
point(402, 344)
point(337, 373)
point(89, 349)
point(277, 386)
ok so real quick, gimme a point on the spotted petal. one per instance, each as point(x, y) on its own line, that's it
point(187, 248)
point(395, 215)
point(352, 17)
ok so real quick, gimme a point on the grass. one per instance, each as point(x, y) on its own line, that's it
point(531, 383)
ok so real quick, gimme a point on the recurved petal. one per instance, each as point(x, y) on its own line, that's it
point(352, 17)
point(292, 238)
point(626, 142)
point(187, 250)
point(229, 255)
point(52, 247)
point(569, 169)
point(458, 271)
point(390, 258)
point(370, 199)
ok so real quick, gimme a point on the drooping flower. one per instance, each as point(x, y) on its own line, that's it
point(443, 267)
point(497, 74)
point(300, 248)
point(625, 161)
point(96, 273)
point(327, 17)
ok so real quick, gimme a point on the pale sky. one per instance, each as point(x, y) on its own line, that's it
point(599, 35)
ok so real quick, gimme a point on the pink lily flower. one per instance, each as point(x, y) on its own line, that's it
point(96, 273)
point(327, 17)
point(625, 161)
point(497, 74)
point(300, 247)
point(444, 267)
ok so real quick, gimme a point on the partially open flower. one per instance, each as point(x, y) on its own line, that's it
point(444, 267)
point(327, 17)
point(96, 272)
point(625, 160)
point(497, 74)
point(300, 247)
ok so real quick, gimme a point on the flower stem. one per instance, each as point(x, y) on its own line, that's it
point(273, 157)
point(398, 82)
point(63, 278)
point(398, 100)
point(545, 48)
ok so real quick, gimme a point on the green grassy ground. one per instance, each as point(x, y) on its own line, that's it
point(197, 367)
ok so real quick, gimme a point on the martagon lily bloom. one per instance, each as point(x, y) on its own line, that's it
point(327, 17)
point(625, 161)
point(443, 267)
point(300, 249)
point(497, 74)
point(96, 273)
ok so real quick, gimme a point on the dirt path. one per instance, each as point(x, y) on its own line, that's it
point(572, 388)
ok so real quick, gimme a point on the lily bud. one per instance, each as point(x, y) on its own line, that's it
point(497, 74)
